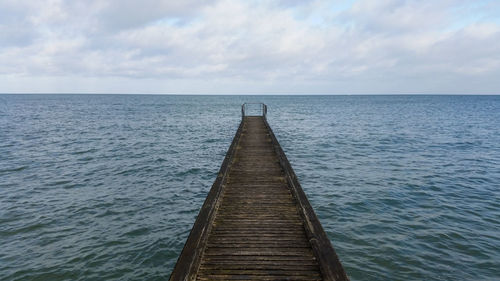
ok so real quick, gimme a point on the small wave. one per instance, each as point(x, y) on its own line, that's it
point(84, 151)
point(188, 172)
point(137, 232)
point(23, 229)
point(107, 213)
point(128, 172)
point(71, 186)
point(60, 182)
point(86, 159)
point(10, 170)
point(211, 140)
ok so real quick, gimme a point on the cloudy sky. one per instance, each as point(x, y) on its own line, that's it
point(220, 46)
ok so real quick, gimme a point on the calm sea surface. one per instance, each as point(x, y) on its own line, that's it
point(107, 187)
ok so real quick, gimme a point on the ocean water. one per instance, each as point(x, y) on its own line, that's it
point(107, 187)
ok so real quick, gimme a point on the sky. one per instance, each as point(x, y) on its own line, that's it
point(250, 47)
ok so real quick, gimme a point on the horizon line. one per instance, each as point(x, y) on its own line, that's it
point(259, 94)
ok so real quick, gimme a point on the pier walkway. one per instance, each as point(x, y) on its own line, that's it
point(256, 223)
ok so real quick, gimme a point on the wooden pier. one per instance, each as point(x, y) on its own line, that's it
point(256, 223)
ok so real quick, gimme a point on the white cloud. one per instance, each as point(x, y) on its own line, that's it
point(249, 46)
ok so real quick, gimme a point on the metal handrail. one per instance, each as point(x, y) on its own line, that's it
point(263, 108)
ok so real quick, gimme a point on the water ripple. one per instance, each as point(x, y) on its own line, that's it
point(108, 187)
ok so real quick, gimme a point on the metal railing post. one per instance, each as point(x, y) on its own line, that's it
point(263, 109)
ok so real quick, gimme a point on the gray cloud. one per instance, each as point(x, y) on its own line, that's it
point(249, 46)
point(126, 14)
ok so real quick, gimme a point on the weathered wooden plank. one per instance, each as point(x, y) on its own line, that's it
point(245, 266)
point(261, 258)
point(259, 220)
point(269, 246)
point(260, 238)
point(258, 251)
point(257, 278)
point(258, 227)
point(259, 271)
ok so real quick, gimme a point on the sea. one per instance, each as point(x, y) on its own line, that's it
point(107, 187)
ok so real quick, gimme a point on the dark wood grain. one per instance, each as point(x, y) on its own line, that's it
point(256, 223)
